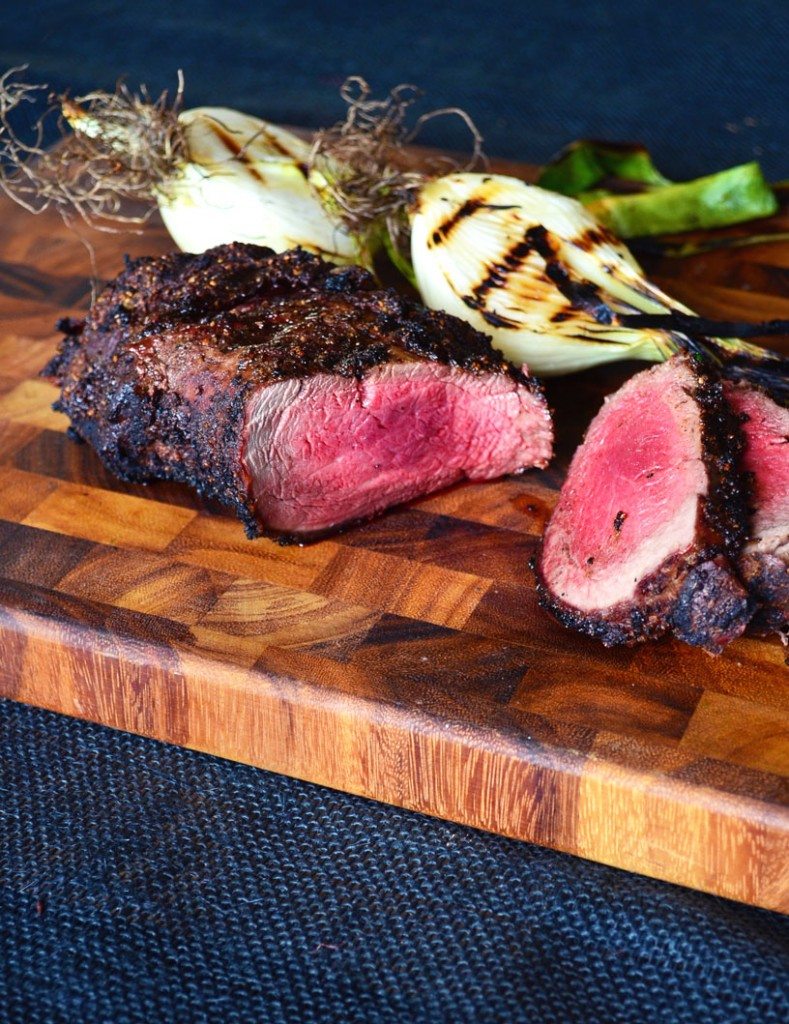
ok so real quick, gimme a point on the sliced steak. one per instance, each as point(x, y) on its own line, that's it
point(293, 391)
point(764, 560)
point(650, 518)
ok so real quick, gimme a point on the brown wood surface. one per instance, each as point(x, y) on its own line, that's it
point(404, 660)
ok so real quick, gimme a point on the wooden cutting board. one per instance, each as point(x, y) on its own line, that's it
point(405, 660)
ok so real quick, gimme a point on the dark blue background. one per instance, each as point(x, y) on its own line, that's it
point(704, 84)
point(144, 883)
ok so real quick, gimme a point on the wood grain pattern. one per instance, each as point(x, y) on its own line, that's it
point(405, 660)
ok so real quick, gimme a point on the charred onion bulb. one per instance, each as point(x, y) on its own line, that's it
point(218, 175)
point(555, 289)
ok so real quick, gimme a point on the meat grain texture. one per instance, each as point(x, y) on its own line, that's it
point(294, 392)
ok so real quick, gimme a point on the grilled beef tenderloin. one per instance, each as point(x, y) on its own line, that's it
point(652, 516)
point(293, 391)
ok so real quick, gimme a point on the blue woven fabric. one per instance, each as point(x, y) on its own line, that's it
point(145, 883)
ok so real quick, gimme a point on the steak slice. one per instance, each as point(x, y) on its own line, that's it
point(291, 390)
point(651, 517)
point(764, 559)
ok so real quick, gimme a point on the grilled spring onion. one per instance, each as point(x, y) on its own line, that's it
point(215, 174)
point(528, 266)
point(539, 274)
point(623, 189)
point(243, 180)
point(218, 175)
point(248, 181)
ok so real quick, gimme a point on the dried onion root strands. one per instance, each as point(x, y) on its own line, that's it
point(361, 165)
point(120, 149)
point(115, 148)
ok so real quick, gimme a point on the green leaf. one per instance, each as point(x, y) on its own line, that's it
point(581, 165)
point(630, 162)
point(575, 170)
point(620, 185)
point(729, 197)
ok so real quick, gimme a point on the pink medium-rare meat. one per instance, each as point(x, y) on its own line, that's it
point(291, 390)
point(650, 518)
point(764, 559)
point(402, 430)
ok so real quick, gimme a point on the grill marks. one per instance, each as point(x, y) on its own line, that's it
point(581, 296)
point(241, 152)
point(496, 278)
point(498, 273)
point(494, 319)
point(232, 146)
point(468, 209)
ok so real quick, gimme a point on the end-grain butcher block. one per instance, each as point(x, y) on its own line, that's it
point(291, 390)
point(652, 515)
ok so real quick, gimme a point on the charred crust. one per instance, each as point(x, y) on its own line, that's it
point(58, 366)
point(764, 572)
point(697, 596)
point(646, 617)
point(767, 577)
point(69, 325)
point(712, 607)
point(726, 504)
point(242, 293)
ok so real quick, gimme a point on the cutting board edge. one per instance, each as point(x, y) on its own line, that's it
point(687, 835)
